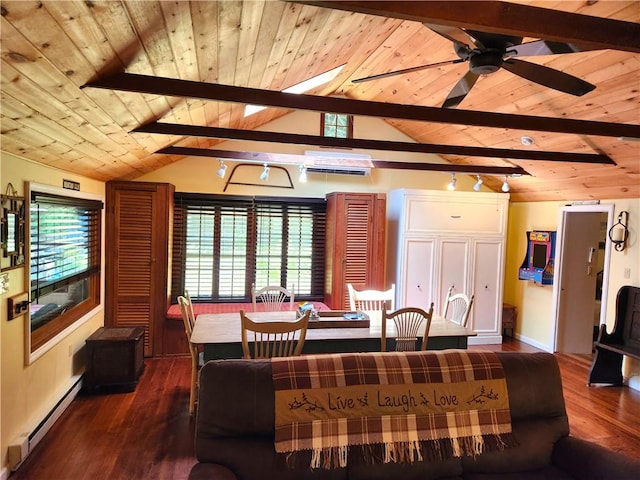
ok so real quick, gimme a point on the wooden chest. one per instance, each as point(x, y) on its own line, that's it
point(115, 358)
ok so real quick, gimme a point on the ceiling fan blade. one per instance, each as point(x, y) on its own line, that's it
point(548, 77)
point(455, 34)
point(406, 70)
point(460, 90)
point(544, 47)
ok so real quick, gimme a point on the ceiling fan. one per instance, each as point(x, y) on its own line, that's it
point(488, 52)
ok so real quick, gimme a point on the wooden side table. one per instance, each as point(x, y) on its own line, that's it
point(509, 314)
point(115, 358)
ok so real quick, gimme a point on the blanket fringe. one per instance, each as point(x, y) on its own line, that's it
point(399, 452)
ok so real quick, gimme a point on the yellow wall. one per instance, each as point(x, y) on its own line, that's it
point(198, 174)
point(535, 323)
point(29, 393)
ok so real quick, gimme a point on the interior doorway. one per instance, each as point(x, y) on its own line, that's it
point(581, 276)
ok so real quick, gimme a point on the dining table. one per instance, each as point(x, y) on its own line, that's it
point(220, 334)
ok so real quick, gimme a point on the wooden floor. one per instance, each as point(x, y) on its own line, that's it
point(148, 434)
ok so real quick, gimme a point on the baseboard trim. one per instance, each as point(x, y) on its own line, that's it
point(533, 343)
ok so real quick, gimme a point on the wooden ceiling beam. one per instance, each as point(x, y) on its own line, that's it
point(228, 93)
point(299, 139)
point(290, 159)
point(504, 18)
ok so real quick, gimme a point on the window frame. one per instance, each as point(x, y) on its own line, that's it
point(48, 336)
point(323, 122)
point(183, 201)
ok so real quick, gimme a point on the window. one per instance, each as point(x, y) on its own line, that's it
point(65, 234)
point(224, 244)
point(338, 125)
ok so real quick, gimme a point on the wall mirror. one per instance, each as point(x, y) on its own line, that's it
point(12, 232)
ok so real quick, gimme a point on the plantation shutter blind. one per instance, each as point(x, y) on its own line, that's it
point(64, 232)
point(223, 244)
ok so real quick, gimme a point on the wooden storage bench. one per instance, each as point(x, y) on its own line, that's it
point(624, 340)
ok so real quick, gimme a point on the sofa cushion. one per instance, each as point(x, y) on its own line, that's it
point(538, 415)
point(235, 424)
point(546, 473)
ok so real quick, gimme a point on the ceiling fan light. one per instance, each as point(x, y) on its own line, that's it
point(505, 185)
point(478, 184)
point(451, 186)
point(264, 176)
point(222, 170)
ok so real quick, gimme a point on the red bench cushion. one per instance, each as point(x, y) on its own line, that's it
point(174, 310)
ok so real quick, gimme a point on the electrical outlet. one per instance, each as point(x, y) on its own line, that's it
point(627, 273)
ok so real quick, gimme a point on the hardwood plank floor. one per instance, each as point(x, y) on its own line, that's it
point(148, 433)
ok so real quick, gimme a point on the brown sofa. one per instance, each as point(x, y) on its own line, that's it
point(235, 432)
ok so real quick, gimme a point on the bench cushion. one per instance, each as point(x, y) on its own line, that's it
point(174, 310)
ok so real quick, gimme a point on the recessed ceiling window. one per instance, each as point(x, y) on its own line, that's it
point(302, 87)
point(336, 125)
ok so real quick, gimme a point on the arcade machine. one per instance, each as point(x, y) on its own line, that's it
point(538, 262)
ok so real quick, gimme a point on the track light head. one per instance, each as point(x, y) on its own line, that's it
point(222, 170)
point(264, 176)
point(478, 184)
point(452, 184)
point(505, 185)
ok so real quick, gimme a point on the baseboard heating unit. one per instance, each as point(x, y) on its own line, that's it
point(24, 443)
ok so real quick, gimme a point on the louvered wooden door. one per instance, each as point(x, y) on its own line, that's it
point(137, 252)
point(355, 245)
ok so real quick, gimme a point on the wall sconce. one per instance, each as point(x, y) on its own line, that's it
point(619, 232)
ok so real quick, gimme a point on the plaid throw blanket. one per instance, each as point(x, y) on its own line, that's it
point(389, 407)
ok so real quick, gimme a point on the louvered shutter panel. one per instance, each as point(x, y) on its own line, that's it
point(137, 257)
point(355, 245)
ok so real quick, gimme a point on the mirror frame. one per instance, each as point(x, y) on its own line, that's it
point(12, 232)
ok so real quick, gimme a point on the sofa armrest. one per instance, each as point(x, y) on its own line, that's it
point(587, 460)
point(211, 471)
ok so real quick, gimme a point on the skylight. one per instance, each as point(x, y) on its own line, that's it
point(301, 87)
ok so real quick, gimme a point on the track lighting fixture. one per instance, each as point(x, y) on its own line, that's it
point(303, 174)
point(264, 176)
point(505, 185)
point(452, 184)
point(222, 170)
point(478, 184)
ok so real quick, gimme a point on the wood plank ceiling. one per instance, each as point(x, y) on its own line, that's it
point(50, 49)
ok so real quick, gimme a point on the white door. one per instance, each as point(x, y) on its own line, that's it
point(453, 269)
point(418, 274)
point(486, 312)
point(576, 299)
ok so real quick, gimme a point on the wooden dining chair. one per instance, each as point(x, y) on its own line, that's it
point(197, 359)
point(273, 338)
point(457, 307)
point(272, 297)
point(371, 300)
point(408, 322)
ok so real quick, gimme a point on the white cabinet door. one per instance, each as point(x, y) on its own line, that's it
point(453, 269)
point(488, 265)
point(416, 278)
